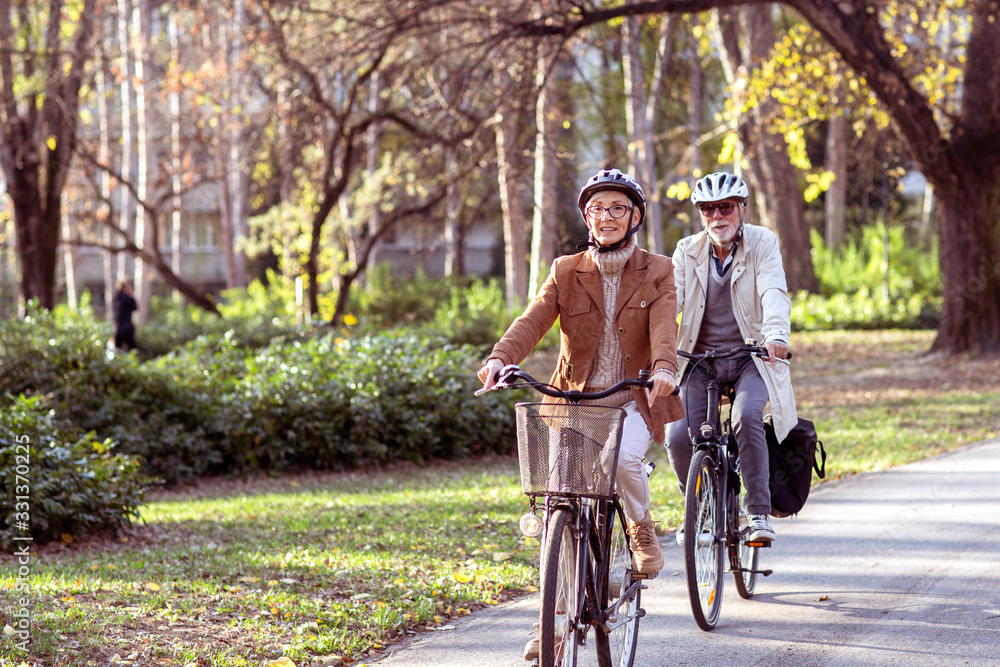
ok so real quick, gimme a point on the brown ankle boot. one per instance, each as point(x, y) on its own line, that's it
point(645, 547)
point(532, 649)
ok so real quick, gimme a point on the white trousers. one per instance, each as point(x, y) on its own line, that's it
point(631, 480)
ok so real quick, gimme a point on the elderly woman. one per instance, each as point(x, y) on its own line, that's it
point(616, 306)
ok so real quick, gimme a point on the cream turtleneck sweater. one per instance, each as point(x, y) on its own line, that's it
point(609, 367)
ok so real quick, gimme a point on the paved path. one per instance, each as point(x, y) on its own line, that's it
point(900, 567)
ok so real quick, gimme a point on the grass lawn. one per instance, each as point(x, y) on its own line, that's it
point(328, 569)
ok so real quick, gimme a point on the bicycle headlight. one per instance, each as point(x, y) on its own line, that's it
point(530, 525)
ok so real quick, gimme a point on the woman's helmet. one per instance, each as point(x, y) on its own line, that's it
point(613, 179)
point(718, 186)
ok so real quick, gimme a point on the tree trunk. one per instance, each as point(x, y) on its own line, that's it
point(514, 232)
point(452, 207)
point(69, 263)
point(371, 162)
point(639, 133)
point(104, 155)
point(142, 278)
point(545, 209)
point(654, 203)
point(35, 172)
point(836, 194)
point(176, 164)
point(125, 220)
point(970, 266)
point(695, 114)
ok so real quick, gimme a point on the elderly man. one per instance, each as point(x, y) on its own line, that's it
point(731, 286)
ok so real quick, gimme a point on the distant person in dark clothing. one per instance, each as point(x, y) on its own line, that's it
point(124, 307)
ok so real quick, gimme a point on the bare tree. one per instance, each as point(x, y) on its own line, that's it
point(39, 114)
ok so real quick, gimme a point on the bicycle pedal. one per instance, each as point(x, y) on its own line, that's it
point(635, 574)
point(765, 544)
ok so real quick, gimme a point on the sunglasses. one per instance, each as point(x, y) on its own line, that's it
point(725, 208)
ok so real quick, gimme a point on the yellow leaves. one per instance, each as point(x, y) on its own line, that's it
point(51, 142)
point(281, 662)
point(152, 586)
point(67, 538)
point(818, 184)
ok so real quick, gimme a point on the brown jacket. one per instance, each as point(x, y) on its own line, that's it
point(645, 317)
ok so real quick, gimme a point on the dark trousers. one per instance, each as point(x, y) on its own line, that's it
point(747, 414)
point(125, 338)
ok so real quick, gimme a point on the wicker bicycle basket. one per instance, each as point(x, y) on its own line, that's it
point(568, 449)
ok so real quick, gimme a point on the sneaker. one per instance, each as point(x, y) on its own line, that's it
point(645, 547)
point(760, 528)
point(533, 649)
point(680, 536)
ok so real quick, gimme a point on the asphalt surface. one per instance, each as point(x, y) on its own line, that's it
point(900, 567)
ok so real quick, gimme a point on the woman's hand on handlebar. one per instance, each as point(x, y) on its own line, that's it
point(776, 350)
point(664, 384)
point(488, 373)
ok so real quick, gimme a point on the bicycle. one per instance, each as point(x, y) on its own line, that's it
point(568, 455)
point(715, 522)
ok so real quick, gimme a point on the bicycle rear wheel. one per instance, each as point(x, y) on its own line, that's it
point(561, 588)
point(617, 648)
point(742, 555)
point(703, 553)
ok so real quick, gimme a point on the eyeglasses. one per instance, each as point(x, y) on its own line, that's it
point(724, 207)
point(617, 211)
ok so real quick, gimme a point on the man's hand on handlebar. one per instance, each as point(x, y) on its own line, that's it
point(776, 350)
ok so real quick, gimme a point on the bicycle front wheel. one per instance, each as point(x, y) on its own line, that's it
point(703, 553)
point(743, 557)
point(561, 586)
point(617, 647)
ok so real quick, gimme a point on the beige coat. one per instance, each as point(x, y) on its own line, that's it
point(645, 318)
point(760, 303)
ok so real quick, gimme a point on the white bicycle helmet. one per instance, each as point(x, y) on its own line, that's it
point(718, 186)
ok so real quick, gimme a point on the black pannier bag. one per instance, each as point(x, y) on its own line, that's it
point(792, 462)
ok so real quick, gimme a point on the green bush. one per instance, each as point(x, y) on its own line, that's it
point(217, 406)
point(253, 317)
point(75, 484)
point(858, 290)
point(393, 300)
point(862, 310)
point(860, 264)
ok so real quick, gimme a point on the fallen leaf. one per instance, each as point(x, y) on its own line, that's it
point(281, 662)
point(9, 631)
point(823, 598)
point(152, 586)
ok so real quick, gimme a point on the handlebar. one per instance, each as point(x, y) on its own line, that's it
point(512, 376)
point(750, 347)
